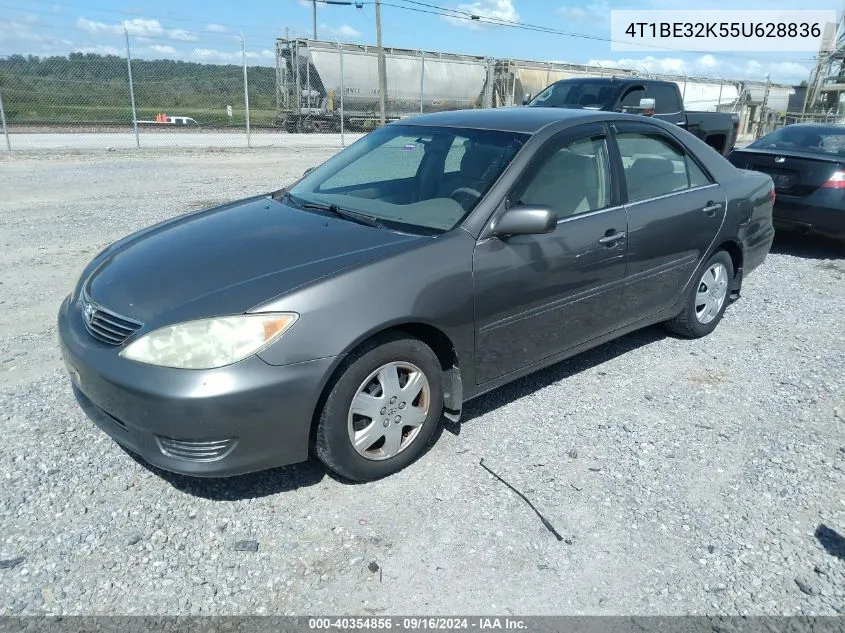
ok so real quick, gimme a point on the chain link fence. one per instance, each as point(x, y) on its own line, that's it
point(300, 92)
point(772, 121)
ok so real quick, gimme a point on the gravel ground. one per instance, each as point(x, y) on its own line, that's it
point(27, 140)
point(685, 477)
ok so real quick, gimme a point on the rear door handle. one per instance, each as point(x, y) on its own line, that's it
point(711, 209)
point(610, 239)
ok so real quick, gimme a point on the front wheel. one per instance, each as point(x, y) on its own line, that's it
point(382, 411)
point(707, 299)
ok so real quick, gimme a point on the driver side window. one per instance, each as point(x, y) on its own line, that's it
point(574, 179)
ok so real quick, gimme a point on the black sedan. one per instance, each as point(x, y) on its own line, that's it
point(807, 163)
point(432, 261)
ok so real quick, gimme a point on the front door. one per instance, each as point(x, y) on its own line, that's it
point(675, 209)
point(537, 295)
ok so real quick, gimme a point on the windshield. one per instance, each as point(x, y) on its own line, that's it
point(576, 94)
point(412, 177)
point(816, 140)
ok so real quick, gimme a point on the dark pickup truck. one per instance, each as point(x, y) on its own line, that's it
point(660, 99)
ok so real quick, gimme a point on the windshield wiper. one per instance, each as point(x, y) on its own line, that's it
point(340, 212)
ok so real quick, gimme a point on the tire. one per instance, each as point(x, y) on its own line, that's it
point(693, 321)
point(388, 441)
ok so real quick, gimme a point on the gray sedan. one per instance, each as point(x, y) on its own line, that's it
point(432, 261)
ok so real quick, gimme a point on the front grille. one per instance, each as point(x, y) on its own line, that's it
point(104, 325)
point(195, 450)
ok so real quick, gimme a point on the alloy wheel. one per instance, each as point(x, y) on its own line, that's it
point(388, 410)
point(711, 294)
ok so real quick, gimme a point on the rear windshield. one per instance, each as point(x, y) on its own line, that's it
point(814, 140)
point(576, 94)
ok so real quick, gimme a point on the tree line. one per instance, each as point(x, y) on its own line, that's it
point(88, 87)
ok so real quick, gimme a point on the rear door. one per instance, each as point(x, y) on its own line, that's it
point(675, 209)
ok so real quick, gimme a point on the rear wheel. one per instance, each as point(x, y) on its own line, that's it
point(707, 299)
point(382, 411)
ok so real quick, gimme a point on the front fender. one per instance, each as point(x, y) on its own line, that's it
point(430, 283)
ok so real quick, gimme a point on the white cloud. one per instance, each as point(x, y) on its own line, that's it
point(181, 35)
point(137, 27)
point(210, 54)
point(24, 36)
point(592, 12)
point(100, 50)
point(164, 50)
point(574, 13)
point(711, 66)
point(715, 5)
point(492, 9)
point(233, 56)
point(18, 31)
point(341, 31)
point(215, 28)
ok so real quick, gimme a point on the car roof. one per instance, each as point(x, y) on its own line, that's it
point(527, 120)
point(615, 79)
point(813, 125)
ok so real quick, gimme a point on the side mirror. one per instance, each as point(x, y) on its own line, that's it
point(647, 106)
point(526, 99)
point(525, 220)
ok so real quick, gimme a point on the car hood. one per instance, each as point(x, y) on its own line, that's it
point(227, 259)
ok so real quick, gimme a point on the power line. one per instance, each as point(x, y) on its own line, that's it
point(461, 14)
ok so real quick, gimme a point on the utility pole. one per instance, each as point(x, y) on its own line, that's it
point(314, 12)
point(246, 90)
point(131, 88)
point(764, 109)
point(382, 75)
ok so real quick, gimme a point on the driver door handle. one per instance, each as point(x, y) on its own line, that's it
point(610, 239)
point(711, 209)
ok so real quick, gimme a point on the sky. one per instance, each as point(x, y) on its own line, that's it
point(210, 31)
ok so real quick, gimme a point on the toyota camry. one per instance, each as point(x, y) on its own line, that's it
point(433, 260)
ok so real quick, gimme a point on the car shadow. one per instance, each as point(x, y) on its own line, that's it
point(561, 371)
point(290, 478)
point(251, 486)
point(807, 246)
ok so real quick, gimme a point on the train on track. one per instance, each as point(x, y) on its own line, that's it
point(323, 86)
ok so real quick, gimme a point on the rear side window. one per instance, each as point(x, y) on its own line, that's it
point(655, 167)
point(697, 178)
point(666, 98)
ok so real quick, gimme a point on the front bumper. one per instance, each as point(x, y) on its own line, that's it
point(795, 214)
point(246, 417)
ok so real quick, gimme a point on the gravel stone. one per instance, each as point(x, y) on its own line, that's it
point(245, 546)
point(10, 563)
point(736, 459)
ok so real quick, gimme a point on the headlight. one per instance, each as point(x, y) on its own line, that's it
point(209, 343)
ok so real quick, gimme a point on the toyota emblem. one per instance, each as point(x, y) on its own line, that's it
point(88, 312)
